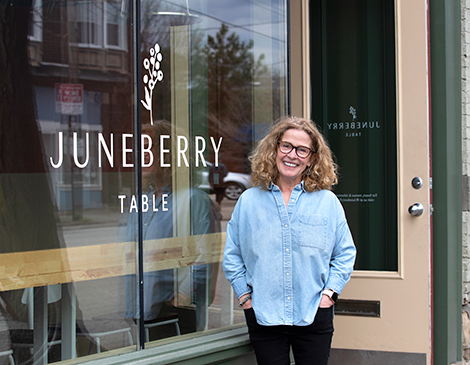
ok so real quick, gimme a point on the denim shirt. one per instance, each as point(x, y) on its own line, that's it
point(286, 256)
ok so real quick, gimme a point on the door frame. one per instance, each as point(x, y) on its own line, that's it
point(444, 60)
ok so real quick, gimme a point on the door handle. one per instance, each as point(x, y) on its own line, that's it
point(416, 209)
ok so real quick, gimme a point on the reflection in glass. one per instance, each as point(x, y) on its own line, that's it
point(68, 197)
point(354, 100)
point(161, 214)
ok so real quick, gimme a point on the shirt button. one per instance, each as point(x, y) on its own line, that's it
point(287, 274)
point(288, 298)
point(286, 225)
point(287, 249)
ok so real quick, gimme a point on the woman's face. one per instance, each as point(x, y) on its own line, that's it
point(290, 165)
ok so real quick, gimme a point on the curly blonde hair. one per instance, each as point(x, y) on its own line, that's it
point(323, 170)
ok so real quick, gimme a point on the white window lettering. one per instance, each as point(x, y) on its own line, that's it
point(182, 150)
point(199, 151)
point(126, 150)
point(164, 203)
point(75, 150)
point(122, 197)
point(163, 151)
point(133, 205)
point(147, 150)
point(216, 150)
point(109, 154)
point(145, 203)
point(61, 152)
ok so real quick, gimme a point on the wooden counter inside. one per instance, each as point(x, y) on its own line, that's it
point(39, 268)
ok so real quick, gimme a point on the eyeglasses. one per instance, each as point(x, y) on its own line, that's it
point(301, 151)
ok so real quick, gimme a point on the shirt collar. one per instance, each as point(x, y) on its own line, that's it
point(300, 186)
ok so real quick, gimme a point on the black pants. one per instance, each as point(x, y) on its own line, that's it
point(310, 344)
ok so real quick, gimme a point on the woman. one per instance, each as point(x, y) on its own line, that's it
point(289, 251)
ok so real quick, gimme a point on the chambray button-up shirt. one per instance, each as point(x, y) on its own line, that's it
point(286, 256)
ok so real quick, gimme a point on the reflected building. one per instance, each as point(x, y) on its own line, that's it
point(81, 64)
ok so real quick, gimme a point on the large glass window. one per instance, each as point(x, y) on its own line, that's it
point(121, 161)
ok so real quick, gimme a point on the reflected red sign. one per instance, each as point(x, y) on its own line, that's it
point(69, 99)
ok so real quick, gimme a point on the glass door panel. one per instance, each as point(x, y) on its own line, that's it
point(353, 97)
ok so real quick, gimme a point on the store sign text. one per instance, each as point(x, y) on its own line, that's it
point(146, 204)
point(182, 147)
point(353, 125)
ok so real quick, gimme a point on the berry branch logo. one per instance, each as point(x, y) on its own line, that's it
point(352, 111)
point(152, 65)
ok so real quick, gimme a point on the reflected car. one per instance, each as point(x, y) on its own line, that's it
point(235, 183)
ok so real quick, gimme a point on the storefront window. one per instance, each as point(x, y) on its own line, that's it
point(118, 177)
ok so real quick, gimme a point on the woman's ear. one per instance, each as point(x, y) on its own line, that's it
point(313, 158)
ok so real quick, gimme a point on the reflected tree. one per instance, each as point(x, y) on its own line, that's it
point(232, 67)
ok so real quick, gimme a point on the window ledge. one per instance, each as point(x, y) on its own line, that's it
point(203, 349)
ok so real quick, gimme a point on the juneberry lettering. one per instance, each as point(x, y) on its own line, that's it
point(354, 134)
point(353, 125)
point(146, 204)
point(182, 150)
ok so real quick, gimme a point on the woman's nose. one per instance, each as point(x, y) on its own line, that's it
point(292, 154)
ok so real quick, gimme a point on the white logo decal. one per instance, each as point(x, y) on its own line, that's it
point(352, 111)
point(154, 75)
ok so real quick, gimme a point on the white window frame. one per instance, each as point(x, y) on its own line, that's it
point(98, 20)
point(122, 39)
point(36, 21)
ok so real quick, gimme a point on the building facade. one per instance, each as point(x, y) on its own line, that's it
point(125, 131)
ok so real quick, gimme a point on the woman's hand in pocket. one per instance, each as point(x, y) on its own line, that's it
point(247, 304)
point(325, 302)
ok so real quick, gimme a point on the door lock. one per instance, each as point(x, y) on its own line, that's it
point(417, 182)
point(416, 209)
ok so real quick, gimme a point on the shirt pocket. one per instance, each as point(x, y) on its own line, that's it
point(313, 231)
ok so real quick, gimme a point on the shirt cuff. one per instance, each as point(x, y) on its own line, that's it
point(335, 284)
point(328, 292)
point(240, 287)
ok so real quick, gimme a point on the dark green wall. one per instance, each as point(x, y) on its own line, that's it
point(445, 37)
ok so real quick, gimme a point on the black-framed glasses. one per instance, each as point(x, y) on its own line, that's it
point(287, 147)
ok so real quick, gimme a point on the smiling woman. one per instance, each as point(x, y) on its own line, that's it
point(288, 278)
